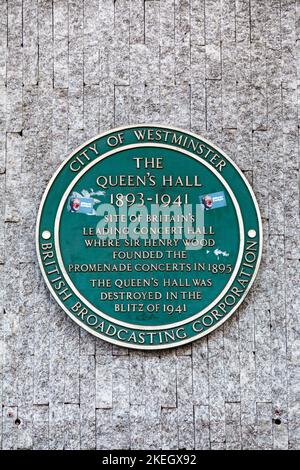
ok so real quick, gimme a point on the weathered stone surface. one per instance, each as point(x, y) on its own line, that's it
point(227, 69)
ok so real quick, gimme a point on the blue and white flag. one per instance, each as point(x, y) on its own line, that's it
point(213, 200)
point(83, 203)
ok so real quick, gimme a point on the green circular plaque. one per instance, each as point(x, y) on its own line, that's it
point(149, 237)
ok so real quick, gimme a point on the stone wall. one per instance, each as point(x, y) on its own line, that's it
point(226, 69)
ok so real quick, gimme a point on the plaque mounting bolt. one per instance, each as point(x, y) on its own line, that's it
point(46, 235)
point(251, 233)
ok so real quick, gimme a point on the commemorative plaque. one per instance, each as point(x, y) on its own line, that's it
point(149, 237)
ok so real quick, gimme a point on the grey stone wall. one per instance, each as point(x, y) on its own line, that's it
point(227, 69)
